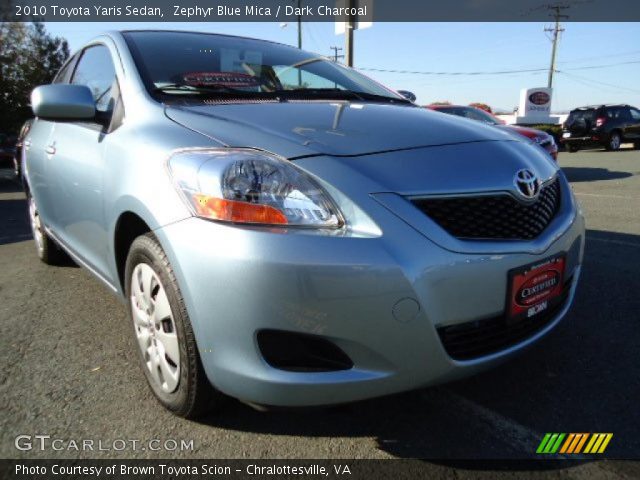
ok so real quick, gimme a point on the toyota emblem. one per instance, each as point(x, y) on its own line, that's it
point(527, 184)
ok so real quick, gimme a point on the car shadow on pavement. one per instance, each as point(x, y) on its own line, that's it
point(15, 225)
point(8, 183)
point(579, 378)
point(591, 174)
point(13, 210)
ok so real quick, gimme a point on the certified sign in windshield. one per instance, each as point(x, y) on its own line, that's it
point(224, 79)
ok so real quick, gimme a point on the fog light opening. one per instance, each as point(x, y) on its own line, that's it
point(298, 352)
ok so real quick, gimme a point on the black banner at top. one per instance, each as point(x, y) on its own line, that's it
point(320, 10)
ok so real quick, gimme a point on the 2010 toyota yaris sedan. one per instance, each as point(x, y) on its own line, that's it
point(287, 231)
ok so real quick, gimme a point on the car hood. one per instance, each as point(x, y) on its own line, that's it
point(299, 129)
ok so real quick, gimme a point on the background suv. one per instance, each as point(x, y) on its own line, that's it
point(605, 125)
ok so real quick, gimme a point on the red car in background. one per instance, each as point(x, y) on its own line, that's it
point(543, 139)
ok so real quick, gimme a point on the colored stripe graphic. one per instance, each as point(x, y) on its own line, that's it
point(583, 439)
point(572, 443)
point(543, 443)
point(606, 441)
point(550, 443)
point(592, 440)
point(556, 445)
point(568, 443)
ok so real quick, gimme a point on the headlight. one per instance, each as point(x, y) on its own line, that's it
point(247, 186)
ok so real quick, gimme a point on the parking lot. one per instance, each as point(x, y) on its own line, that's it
point(70, 370)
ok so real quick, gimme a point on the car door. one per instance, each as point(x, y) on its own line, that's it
point(78, 163)
point(37, 165)
point(633, 130)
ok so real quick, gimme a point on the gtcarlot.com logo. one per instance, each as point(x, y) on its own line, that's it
point(47, 442)
point(574, 443)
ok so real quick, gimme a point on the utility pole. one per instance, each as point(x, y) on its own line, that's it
point(299, 24)
point(299, 39)
point(349, 28)
point(335, 53)
point(557, 15)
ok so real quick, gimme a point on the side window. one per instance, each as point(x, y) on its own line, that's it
point(619, 113)
point(635, 114)
point(95, 70)
point(473, 115)
point(65, 72)
point(292, 78)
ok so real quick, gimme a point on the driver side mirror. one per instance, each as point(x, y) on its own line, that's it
point(63, 102)
point(408, 95)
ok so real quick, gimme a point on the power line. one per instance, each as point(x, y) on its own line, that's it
point(586, 59)
point(585, 79)
point(590, 67)
point(495, 72)
point(415, 72)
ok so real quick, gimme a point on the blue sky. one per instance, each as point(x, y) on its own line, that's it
point(458, 47)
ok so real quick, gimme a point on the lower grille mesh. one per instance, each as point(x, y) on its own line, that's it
point(466, 341)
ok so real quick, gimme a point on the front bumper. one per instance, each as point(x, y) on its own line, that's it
point(349, 289)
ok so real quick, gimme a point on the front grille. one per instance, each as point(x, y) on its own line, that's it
point(493, 216)
point(466, 341)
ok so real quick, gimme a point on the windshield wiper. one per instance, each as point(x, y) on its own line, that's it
point(338, 94)
point(282, 95)
point(385, 98)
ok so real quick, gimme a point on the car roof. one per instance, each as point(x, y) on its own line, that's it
point(592, 107)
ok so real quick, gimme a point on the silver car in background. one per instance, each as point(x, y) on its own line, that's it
point(287, 231)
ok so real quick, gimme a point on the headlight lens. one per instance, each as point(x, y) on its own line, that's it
point(247, 186)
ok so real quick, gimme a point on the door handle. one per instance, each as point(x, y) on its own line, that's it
point(50, 150)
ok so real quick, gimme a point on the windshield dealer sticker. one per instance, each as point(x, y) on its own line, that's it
point(225, 79)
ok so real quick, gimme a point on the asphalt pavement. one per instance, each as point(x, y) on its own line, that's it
point(70, 369)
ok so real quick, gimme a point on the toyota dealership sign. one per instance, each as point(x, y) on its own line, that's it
point(535, 102)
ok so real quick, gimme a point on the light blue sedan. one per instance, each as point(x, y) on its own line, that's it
point(285, 230)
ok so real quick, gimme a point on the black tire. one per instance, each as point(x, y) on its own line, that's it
point(572, 148)
point(194, 394)
point(636, 146)
point(48, 251)
point(614, 142)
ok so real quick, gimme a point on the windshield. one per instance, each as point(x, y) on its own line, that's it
point(470, 112)
point(188, 63)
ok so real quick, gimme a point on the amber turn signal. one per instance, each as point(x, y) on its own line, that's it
point(235, 211)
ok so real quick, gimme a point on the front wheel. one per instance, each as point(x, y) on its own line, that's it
point(48, 251)
point(614, 142)
point(572, 148)
point(163, 332)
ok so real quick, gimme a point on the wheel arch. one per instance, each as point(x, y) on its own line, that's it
point(128, 227)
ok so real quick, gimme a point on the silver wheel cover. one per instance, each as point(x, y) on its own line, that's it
point(155, 327)
point(615, 142)
point(36, 225)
